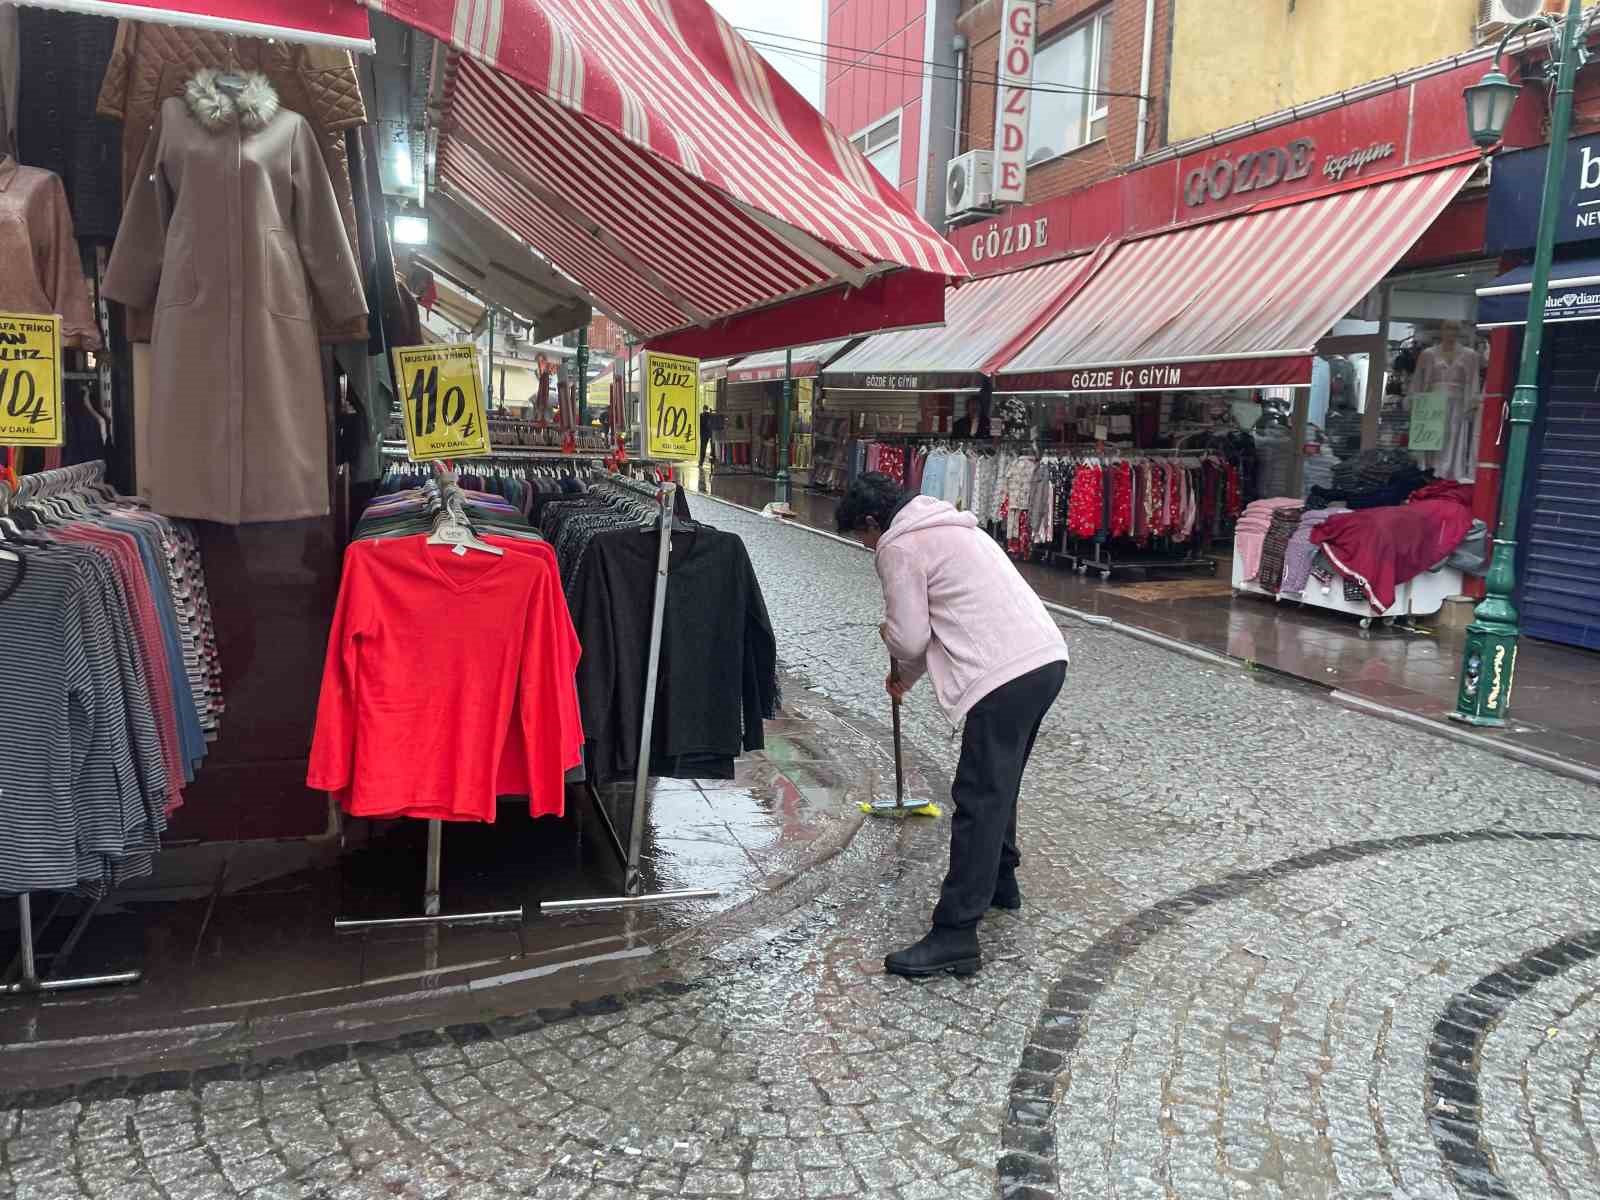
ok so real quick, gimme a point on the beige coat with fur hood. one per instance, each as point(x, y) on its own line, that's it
point(230, 228)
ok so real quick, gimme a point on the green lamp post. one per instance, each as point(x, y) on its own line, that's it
point(583, 376)
point(1489, 657)
point(784, 496)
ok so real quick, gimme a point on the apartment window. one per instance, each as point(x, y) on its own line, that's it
point(1079, 63)
point(880, 142)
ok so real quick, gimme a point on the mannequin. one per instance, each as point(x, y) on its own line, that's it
point(1452, 368)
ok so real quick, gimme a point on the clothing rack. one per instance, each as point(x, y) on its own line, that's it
point(22, 975)
point(451, 524)
point(633, 895)
point(1095, 554)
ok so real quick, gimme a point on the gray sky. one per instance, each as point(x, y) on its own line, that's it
point(795, 18)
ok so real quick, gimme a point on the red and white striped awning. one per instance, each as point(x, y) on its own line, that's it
point(1235, 303)
point(645, 149)
point(802, 362)
point(985, 322)
point(341, 23)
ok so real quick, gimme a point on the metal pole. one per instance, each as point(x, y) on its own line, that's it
point(1489, 656)
point(30, 971)
point(583, 375)
point(783, 493)
point(30, 981)
point(641, 779)
point(490, 372)
point(430, 888)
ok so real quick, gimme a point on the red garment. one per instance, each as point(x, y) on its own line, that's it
point(437, 665)
point(1084, 506)
point(1122, 500)
point(1443, 489)
point(1385, 547)
point(1020, 545)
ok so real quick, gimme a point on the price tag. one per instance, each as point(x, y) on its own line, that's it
point(672, 420)
point(30, 380)
point(1428, 413)
point(443, 401)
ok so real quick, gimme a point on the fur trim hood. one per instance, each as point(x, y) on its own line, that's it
point(216, 109)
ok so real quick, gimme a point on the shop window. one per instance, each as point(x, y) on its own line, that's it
point(1070, 72)
point(880, 142)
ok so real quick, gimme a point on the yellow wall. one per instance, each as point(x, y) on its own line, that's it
point(1235, 60)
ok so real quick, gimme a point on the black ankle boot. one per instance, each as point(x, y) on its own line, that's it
point(1007, 894)
point(941, 949)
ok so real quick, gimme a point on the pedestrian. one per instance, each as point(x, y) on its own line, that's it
point(956, 609)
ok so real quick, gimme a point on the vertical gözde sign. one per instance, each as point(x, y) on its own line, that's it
point(1011, 114)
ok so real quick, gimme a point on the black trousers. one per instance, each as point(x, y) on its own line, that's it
point(1001, 730)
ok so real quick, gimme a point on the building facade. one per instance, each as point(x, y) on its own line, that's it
point(1099, 77)
point(1236, 60)
point(890, 85)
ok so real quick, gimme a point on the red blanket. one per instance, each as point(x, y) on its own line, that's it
point(1385, 547)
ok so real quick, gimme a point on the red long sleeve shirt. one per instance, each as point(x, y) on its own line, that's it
point(447, 676)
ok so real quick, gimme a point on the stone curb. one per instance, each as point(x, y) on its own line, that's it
point(1443, 729)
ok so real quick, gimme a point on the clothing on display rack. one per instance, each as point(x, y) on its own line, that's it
point(44, 273)
point(237, 429)
point(717, 679)
point(153, 63)
point(1382, 548)
point(450, 666)
point(105, 619)
point(1453, 370)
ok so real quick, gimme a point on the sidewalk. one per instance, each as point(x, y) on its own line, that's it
point(1391, 671)
point(241, 960)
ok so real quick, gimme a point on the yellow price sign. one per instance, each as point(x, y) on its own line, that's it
point(30, 380)
point(671, 407)
point(443, 401)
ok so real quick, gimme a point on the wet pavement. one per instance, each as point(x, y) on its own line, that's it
point(240, 955)
point(1270, 947)
point(1410, 670)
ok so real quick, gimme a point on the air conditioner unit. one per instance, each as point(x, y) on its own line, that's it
point(1496, 16)
point(969, 183)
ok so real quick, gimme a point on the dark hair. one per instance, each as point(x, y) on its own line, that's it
point(872, 495)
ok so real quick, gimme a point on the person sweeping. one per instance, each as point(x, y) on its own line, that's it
point(957, 610)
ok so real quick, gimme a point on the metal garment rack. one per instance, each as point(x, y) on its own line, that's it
point(430, 888)
point(633, 883)
point(22, 977)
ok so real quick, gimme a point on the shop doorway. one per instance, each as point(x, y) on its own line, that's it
point(1559, 538)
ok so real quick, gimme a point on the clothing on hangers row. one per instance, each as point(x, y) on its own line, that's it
point(717, 681)
point(449, 679)
point(115, 684)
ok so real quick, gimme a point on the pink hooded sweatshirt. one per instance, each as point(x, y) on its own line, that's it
point(957, 608)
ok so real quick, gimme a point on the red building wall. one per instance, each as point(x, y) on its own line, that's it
point(980, 21)
point(883, 42)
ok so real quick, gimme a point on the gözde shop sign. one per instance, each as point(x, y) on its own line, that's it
point(1343, 147)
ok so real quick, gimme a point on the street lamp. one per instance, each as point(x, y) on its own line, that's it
point(1489, 657)
point(1489, 104)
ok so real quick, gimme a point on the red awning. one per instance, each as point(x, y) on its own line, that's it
point(340, 23)
point(1234, 303)
point(653, 156)
point(985, 321)
point(803, 362)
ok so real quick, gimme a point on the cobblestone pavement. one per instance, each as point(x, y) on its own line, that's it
point(1270, 948)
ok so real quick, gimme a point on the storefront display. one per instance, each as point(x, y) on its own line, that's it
point(238, 207)
point(232, 225)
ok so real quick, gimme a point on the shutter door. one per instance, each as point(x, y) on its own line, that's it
point(1560, 569)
